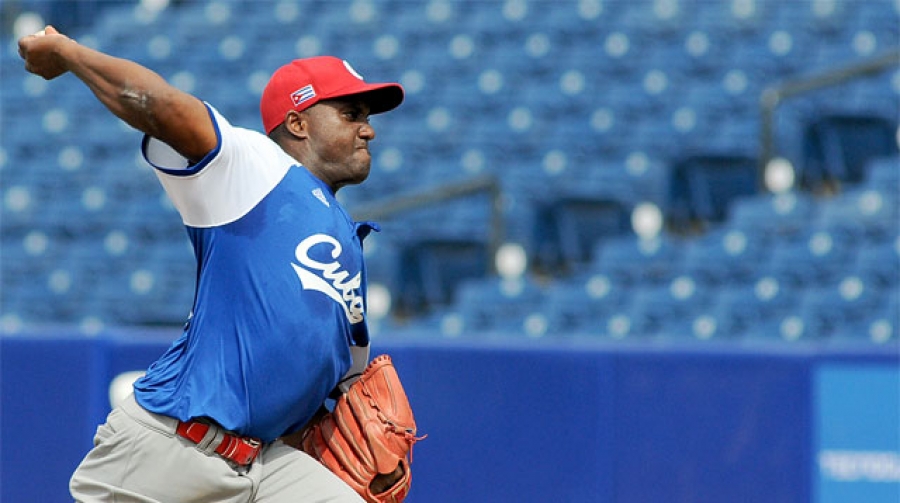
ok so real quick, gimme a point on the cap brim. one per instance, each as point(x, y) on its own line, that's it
point(380, 97)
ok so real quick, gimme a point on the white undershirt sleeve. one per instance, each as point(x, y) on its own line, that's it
point(360, 356)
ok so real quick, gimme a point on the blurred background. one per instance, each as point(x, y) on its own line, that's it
point(673, 224)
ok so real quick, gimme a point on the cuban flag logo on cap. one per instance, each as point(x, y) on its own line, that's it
point(303, 94)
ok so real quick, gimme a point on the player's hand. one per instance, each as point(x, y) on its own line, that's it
point(41, 53)
point(383, 482)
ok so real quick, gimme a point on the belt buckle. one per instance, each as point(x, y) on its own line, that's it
point(245, 456)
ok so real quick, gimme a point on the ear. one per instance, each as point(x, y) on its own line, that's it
point(297, 124)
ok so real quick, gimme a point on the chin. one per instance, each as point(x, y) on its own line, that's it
point(363, 172)
point(357, 177)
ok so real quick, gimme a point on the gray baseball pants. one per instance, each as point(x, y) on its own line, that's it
point(138, 458)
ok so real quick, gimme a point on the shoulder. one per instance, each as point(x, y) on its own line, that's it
point(228, 182)
point(231, 141)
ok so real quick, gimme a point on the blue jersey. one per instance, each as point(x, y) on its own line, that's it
point(280, 288)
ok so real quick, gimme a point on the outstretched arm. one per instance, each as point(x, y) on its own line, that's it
point(135, 94)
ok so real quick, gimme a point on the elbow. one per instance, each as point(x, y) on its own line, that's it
point(169, 115)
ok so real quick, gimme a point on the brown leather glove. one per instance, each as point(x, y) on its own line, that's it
point(367, 439)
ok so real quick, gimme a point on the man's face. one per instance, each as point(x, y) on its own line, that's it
point(339, 136)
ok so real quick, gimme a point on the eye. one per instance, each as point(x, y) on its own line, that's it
point(356, 115)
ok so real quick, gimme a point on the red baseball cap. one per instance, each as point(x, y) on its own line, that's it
point(302, 83)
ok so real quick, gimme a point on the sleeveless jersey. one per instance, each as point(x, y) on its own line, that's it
point(280, 288)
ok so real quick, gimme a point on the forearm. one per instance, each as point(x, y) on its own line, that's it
point(135, 94)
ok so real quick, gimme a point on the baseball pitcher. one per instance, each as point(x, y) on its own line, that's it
point(233, 411)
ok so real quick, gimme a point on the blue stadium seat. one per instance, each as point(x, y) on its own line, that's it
point(816, 258)
point(658, 309)
point(431, 270)
point(633, 260)
point(879, 262)
point(575, 20)
point(725, 256)
point(883, 172)
point(862, 213)
point(778, 216)
point(796, 327)
point(707, 323)
point(878, 19)
point(880, 327)
point(838, 146)
point(629, 324)
point(151, 297)
point(846, 302)
point(32, 307)
point(497, 304)
point(702, 187)
point(884, 324)
point(569, 228)
point(575, 305)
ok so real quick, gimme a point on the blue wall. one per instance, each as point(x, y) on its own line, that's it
point(508, 420)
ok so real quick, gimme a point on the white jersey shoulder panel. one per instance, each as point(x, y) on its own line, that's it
point(227, 183)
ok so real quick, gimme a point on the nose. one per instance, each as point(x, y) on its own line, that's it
point(367, 132)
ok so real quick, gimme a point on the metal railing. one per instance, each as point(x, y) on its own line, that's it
point(478, 185)
point(776, 94)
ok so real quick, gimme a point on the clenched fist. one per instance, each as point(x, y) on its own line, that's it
point(40, 52)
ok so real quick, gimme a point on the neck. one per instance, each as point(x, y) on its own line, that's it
point(299, 154)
